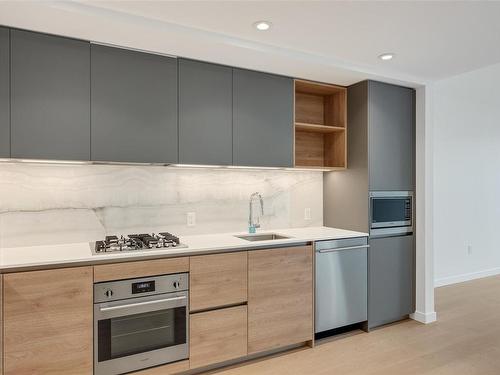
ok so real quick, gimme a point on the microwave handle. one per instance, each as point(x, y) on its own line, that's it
point(140, 304)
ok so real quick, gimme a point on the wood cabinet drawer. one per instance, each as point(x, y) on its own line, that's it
point(217, 280)
point(48, 323)
point(168, 369)
point(217, 336)
point(280, 298)
point(130, 270)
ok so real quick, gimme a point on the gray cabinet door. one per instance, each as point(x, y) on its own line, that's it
point(134, 106)
point(4, 93)
point(391, 134)
point(391, 265)
point(262, 119)
point(205, 113)
point(50, 97)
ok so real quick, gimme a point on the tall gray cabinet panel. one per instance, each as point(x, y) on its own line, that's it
point(391, 265)
point(391, 136)
point(4, 93)
point(345, 195)
point(262, 119)
point(134, 106)
point(50, 97)
point(205, 113)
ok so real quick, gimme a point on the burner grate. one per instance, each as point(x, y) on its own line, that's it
point(136, 242)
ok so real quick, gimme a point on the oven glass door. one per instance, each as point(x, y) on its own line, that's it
point(140, 331)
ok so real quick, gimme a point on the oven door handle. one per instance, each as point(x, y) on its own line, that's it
point(140, 304)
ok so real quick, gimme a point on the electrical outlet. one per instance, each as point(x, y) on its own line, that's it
point(307, 213)
point(191, 219)
point(469, 249)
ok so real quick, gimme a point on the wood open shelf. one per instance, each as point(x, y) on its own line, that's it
point(300, 126)
point(320, 125)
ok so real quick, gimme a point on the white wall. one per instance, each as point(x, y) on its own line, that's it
point(467, 176)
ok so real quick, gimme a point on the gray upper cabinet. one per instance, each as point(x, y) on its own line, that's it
point(391, 136)
point(50, 97)
point(205, 113)
point(134, 106)
point(391, 279)
point(4, 93)
point(262, 119)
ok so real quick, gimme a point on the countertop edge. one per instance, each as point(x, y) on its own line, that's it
point(148, 256)
point(95, 260)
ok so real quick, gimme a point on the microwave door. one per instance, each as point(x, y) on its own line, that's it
point(389, 212)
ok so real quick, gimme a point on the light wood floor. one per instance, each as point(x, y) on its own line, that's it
point(464, 340)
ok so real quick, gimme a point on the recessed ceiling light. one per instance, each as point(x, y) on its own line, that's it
point(386, 56)
point(262, 25)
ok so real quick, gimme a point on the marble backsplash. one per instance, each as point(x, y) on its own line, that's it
point(44, 204)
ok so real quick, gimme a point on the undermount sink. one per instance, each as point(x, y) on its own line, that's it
point(262, 237)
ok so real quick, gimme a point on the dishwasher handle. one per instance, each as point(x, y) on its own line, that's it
point(342, 248)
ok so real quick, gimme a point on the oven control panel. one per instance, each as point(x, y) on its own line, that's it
point(143, 287)
point(122, 289)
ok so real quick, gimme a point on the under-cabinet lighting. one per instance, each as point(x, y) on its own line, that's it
point(129, 163)
point(45, 161)
point(250, 167)
point(196, 166)
point(300, 169)
point(180, 166)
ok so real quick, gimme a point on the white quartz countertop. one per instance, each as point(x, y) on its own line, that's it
point(72, 254)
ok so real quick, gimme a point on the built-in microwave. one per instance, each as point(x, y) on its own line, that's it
point(391, 213)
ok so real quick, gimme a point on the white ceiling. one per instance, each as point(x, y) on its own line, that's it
point(331, 41)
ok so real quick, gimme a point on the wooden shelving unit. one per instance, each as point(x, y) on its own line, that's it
point(320, 125)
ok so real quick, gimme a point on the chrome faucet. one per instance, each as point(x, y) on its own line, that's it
point(254, 223)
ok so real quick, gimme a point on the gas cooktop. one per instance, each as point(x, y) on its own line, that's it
point(136, 242)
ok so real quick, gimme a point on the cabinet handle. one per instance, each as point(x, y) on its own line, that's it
point(343, 248)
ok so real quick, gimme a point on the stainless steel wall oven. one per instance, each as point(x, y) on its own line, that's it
point(140, 323)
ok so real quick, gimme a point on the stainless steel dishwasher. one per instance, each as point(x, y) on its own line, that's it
point(341, 283)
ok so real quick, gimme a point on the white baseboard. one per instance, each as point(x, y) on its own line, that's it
point(465, 277)
point(425, 318)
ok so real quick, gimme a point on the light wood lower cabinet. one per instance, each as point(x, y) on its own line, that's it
point(280, 298)
point(48, 315)
point(217, 336)
point(217, 280)
point(48, 322)
point(146, 268)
